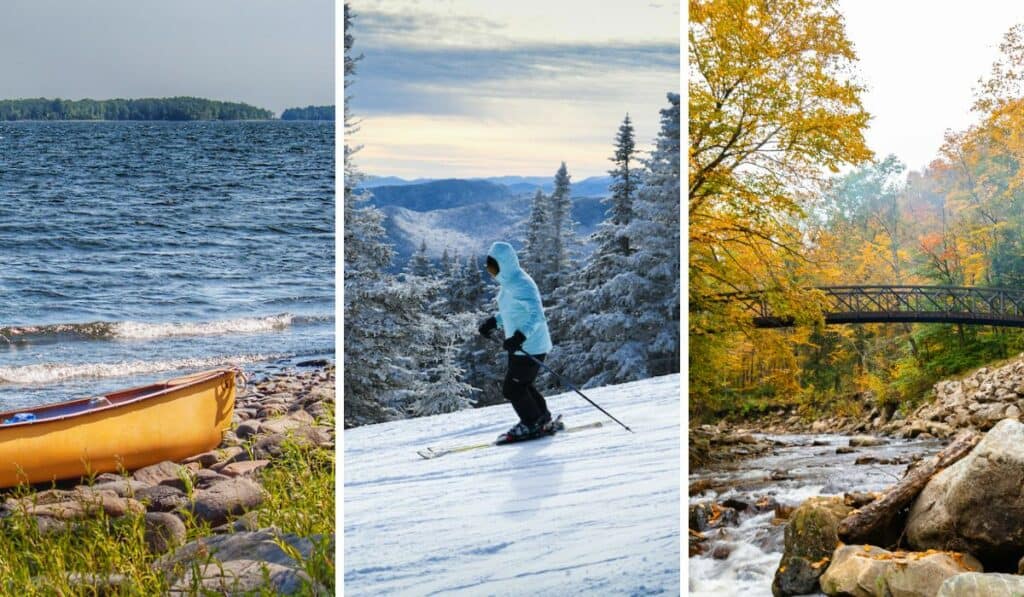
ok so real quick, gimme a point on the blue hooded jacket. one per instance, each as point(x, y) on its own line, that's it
point(519, 304)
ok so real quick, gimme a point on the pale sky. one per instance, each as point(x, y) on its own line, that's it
point(921, 61)
point(270, 53)
point(474, 88)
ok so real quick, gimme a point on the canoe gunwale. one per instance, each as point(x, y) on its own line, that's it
point(160, 389)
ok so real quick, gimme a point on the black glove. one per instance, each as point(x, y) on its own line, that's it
point(515, 342)
point(489, 325)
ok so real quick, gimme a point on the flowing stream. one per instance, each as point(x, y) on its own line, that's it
point(807, 465)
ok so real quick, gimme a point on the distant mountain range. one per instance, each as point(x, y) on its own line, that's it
point(466, 216)
point(595, 186)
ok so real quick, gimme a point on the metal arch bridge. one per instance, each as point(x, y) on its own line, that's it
point(900, 304)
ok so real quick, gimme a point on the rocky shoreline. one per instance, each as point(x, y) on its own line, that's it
point(201, 515)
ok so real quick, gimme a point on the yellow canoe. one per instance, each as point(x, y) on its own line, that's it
point(128, 429)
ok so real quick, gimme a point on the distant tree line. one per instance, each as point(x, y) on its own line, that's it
point(171, 108)
point(309, 113)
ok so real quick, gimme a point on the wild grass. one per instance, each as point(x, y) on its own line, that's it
point(35, 561)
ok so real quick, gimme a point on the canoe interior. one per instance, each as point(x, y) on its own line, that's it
point(79, 406)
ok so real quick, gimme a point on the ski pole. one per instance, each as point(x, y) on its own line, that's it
point(569, 384)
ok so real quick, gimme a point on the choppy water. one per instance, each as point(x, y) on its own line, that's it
point(130, 251)
point(755, 544)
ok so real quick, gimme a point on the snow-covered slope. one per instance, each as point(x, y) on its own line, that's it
point(588, 513)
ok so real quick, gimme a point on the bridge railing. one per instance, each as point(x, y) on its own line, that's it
point(894, 304)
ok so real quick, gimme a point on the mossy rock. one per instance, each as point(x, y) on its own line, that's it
point(810, 539)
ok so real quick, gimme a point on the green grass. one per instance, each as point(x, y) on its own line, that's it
point(300, 500)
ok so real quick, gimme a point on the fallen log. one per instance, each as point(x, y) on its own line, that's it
point(861, 524)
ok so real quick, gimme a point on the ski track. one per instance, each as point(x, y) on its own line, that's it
point(589, 513)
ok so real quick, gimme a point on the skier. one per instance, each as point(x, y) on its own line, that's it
point(521, 316)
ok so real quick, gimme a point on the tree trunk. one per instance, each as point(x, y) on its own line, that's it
point(862, 523)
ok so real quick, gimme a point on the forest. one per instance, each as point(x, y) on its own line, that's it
point(309, 113)
point(411, 342)
point(784, 195)
point(171, 108)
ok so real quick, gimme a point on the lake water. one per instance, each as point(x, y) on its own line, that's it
point(132, 251)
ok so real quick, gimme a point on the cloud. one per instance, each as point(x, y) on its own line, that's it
point(439, 80)
point(448, 93)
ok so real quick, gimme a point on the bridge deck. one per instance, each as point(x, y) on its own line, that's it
point(901, 304)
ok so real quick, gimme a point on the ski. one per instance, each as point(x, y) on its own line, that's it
point(429, 453)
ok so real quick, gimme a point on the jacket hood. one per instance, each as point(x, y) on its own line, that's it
point(505, 255)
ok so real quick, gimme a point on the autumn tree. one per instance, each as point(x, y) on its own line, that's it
point(773, 109)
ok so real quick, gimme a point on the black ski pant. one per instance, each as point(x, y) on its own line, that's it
point(518, 388)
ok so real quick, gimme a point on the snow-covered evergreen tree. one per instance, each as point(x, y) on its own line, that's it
point(624, 185)
point(420, 264)
point(443, 391)
point(561, 230)
point(446, 264)
point(593, 315)
point(535, 257)
point(385, 318)
point(654, 232)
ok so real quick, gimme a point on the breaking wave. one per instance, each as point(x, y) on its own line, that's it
point(133, 330)
point(48, 373)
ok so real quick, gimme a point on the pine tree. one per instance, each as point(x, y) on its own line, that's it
point(593, 315)
point(385, 318)
point(655, 233)
point(419, 264)
point(561, 230)
point(444, 391)
point(446, 264)
point(623, 188)
point(535, 256)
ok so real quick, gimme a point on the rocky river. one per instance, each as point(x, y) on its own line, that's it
point(754, 497)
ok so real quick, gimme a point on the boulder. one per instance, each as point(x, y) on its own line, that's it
point(263, 545)
point(292, 421)
point(245, 468)
point(248, 428)
point(155, 474)
point(123, 487)
point(855, 570)
point(163, 532)
point(86, 506)
point(238, 577)
point(270, 446)
point(869, 571)
point(317, 410)
point(866, 441)
point(976, 584)
point(206, 478)
point(224, 499)
point(976, 504)
point(205, 459)
point(162, 498)
point(229, 564)
point(810, 540)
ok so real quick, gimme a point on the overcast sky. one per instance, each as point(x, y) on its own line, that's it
point(921, 60)
point(271, 53)
point(463, 88)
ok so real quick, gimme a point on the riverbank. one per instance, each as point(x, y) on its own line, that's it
point(255, 514)
point(975, 401)
point(859, 504)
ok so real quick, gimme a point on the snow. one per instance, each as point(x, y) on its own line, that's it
point(588, 513)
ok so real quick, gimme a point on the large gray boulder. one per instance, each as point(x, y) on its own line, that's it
point(868, 571)
point(225, 499)
point(810, 539)
point(977, 504)
point(976, 584)
point(241, 562)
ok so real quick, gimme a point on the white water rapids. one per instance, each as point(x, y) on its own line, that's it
point(755, 545)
